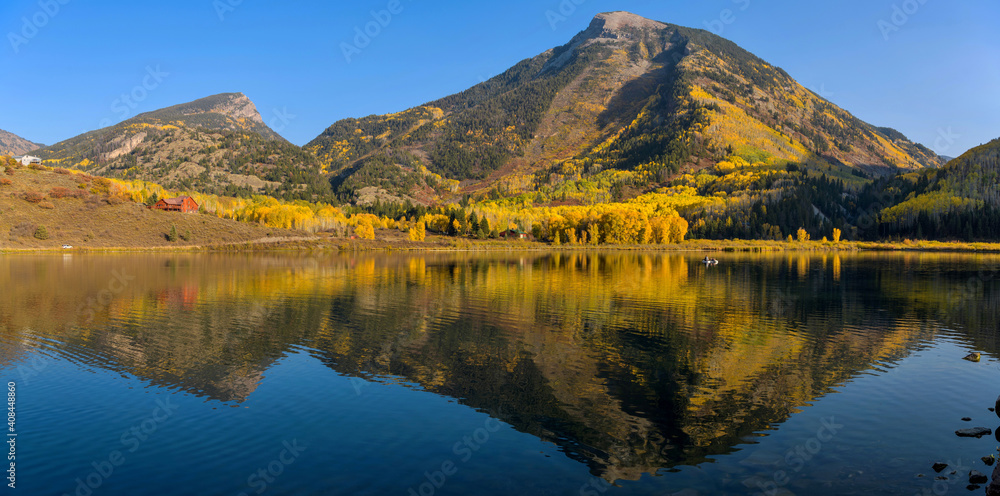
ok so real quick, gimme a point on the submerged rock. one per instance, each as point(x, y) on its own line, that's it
point(966, 419)
point(977, 477)
point(974, 432)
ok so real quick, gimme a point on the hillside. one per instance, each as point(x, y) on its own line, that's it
point(627, 105)
point(217, 144)
point(47, 209)
point(960, 200)
point(12, 144)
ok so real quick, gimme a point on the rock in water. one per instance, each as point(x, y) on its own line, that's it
point(938, 467)
point(989, 460)
point(996, 409)
point(973, 357)
point(977, 477)
point(974, 432)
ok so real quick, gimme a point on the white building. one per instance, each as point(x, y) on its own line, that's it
point(27, 160)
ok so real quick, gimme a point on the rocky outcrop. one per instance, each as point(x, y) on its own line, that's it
point(239, 106)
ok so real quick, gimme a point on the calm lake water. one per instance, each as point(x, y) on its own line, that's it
point(568, 374)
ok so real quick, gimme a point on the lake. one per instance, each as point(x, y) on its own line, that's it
point(605, 373)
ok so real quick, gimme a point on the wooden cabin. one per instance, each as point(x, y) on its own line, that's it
point(514, 234)
point(183, 204)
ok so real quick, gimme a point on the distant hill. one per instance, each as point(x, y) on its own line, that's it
point(12, 144)
point(628, 94)
point(960, 200)
point(217, 144)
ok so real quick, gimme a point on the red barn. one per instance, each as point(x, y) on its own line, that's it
point(184, 204)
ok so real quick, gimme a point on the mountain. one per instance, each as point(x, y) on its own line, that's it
point(958, 201)
point(217, 144)
point(628, 103)
point(12, 144)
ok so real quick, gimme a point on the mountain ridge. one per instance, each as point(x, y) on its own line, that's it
point(12, 144)
point(627, 94)
point(216, 144)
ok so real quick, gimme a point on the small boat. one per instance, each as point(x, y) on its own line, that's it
point(710, 261)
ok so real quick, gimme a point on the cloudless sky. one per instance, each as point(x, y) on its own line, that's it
point(935, 77)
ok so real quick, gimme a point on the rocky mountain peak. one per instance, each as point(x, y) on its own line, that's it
point(616, 22)
point(237, 106)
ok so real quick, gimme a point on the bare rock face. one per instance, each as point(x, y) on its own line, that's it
point(239, 107)
point(617, 21)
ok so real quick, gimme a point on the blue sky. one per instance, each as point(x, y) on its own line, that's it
point(929, 68)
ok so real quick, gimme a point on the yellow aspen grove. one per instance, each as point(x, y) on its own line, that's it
point(365, 230)
point(836, 235)
point(418, 232)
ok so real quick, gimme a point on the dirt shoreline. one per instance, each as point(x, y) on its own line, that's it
point(392, 242)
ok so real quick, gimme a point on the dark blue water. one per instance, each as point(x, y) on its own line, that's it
point(576, 374)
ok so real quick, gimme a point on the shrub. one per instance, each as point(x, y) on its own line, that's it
point(33, 197)
point(47, 204)
point(59, 192)
point(9, 171)
point(41, 233)
point(187, 236)
point(60, 170)
point(21, 230)
point(172, 235)
point(5, 182)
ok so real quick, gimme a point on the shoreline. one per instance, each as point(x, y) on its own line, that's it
point(448, 244)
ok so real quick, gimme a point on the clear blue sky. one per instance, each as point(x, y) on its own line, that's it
point(935, 78)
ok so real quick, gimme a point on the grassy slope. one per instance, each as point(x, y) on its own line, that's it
point(94, 223)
